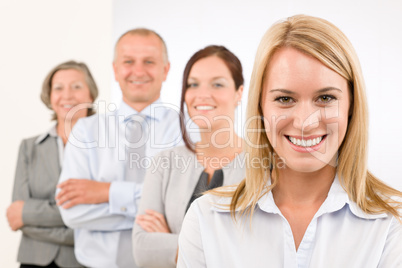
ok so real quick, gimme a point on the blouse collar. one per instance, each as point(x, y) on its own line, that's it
point(337, 199)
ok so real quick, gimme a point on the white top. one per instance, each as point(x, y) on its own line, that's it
point(339, 235)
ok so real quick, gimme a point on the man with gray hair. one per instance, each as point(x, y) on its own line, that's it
point(103, 170)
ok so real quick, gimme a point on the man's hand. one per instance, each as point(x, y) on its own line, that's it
point(14, 215)
point(153, 221)
point(82, 191)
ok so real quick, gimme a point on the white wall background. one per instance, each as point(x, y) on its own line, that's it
point(37, 35)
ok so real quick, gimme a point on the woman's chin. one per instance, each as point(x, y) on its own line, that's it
point(305, 165)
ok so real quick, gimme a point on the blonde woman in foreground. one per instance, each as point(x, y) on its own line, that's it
point(316, 205)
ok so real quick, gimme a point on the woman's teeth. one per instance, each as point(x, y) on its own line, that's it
point(204, 107)
point(305, 143)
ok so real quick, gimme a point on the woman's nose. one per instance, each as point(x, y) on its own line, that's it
point(67, 92)
point(306, 117)
point(203, 92)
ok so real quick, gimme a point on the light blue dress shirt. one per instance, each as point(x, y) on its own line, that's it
point(96, 150)
point(340, 235)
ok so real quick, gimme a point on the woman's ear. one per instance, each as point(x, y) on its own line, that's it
point(239, 93)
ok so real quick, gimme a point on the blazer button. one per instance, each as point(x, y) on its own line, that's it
point(123, 209)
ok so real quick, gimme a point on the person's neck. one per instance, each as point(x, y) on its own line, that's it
point(218, 144)
point(139, 106)
point(215, 150)
point(64, 127)
point(303, 189)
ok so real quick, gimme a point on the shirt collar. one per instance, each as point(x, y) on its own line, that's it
point(155, 110)
point(223, 203)
point(52, 132)
point(337, 198)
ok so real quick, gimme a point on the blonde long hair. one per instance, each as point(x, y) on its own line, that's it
point(325, 42)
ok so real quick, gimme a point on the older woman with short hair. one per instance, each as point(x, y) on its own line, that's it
point(69, 91)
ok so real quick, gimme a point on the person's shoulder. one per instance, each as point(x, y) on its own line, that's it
point(173, 155)
point(91, 120)
point(87, 130)
point(30, 140)
point(28, 144)
point(397, 202)
point(211, 199)
point(240, 160)
point(35, 140)
point(204, 204)
point(215, 202)
point(167, 111)
point(175, 151)
point(235, 171)
point(181, 150)
point(90, 125)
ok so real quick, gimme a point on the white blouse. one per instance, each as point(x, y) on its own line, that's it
point(339, 235)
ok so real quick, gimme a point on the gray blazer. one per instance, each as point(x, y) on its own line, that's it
point(45, 238)
point(168, 186)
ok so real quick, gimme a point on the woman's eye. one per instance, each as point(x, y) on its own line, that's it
point(217, 85)
point(57, 88)
point(326, 98)
point(128, 62)
point(192, 85)
point(76, 86)
point(284, 100)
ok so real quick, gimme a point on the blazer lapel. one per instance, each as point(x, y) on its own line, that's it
point(49, 157)
point(192, 180)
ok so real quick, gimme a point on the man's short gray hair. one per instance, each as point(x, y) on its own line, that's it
point(144, 32)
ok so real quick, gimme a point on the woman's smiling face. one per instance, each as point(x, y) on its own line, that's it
point(211, 95)
point(69, 90)
point(306, 108)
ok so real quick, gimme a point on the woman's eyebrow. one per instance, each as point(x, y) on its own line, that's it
point(326, 89)
point(285, 91)
point(289, 92)
point(212, 79)
point(218, 77)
